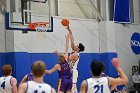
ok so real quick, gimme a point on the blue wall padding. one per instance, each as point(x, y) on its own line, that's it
point(84, 66)
point(50, 60)
point(2, 61)
point(21, 64)
point(106, 59)
point(10, 59)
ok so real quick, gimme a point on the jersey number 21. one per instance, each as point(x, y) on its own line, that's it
point(98, 88)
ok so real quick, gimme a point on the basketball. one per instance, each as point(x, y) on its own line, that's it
point(65, 22)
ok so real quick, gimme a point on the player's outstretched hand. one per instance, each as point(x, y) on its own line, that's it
point(55, 52)
point(46, 71)
point(116, 62)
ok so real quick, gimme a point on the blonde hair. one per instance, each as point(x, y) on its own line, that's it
point(38, 68)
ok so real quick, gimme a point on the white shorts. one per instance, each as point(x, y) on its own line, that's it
point(74, 75)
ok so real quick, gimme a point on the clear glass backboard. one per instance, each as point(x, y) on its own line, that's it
point(21, 13)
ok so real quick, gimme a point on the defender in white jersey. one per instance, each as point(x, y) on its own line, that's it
point(98, 84)
point(74, 59)
point(37, 85)
point(7, 82)
point(74, 70)
point(94, 85)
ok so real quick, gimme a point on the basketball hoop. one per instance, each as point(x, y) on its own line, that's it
point(40, 27)
point(39, 1)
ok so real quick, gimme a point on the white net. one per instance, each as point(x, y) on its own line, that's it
point(41, 32)
point(40, 1)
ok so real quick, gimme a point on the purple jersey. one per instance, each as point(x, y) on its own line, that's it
point(65, 75)
point(29, 77)
point(65, 70)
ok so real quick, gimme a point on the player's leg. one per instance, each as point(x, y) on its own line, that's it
point(74, 88)
point(63, 88)
point(60, 92)
point(69, 86)
point(74, 80)
point(68, 91)
point(60, 86)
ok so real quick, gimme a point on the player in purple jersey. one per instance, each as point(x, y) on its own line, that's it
point(28, 77)
point(65, 75)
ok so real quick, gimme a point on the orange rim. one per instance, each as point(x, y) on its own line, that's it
point(34, 25)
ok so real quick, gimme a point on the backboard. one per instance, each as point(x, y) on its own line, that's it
point(20, 13)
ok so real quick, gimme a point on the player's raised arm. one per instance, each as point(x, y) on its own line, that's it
point(22, 88)
point(67, 46)
point(71, 38)
point(56, 67)
point(24, 79)
point(122, 79)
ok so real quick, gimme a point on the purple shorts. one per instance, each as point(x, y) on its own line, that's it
point(65, 84)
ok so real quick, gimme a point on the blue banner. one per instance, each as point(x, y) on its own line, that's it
point(122, 11)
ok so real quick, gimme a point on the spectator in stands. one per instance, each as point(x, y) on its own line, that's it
point(136, 80)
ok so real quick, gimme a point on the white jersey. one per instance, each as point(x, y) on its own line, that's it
point(98, 85)
point(75, 63)
point(35, 87)
point(5, 84)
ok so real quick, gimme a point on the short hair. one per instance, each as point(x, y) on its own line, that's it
point(97, 68)
point(81, 47)
point(38, 68)
point(7, 69)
